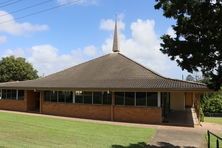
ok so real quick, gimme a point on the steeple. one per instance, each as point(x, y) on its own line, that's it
point(115, 39)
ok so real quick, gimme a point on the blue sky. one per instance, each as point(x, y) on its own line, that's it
point(58, 39)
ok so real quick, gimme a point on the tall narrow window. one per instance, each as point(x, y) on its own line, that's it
point(87, 97)
point(97, 97)
point(61, 96)
point(54, 96)
point(107, 98)
point(78, 97)
point(119, 98)
point(69, 97)
point(4, 94)
point(21, 94)
point(129, 98)
point(140, 98)
point(47, 96)
point(152, 99)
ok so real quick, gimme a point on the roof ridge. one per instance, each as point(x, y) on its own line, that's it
point(75, 66)
point(158, 73)
point(142, 66)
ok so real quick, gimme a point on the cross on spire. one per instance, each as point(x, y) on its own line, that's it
point(115, 39)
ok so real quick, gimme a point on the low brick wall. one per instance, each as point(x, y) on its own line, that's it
point(15, 105)
point(99, 112)
point(138, 114)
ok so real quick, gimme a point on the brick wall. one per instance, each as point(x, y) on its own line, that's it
point(103, 112)
point(138, 114)
point(100, 112)
point(16, 105)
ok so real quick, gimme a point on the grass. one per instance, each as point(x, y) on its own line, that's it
point(32, 131)
point(213, 139)
point(217, 120)
point(213, 142)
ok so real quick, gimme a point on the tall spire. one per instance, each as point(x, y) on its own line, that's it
point(115, 39)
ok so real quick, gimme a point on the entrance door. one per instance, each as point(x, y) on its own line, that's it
point(33, 101)
point(165, 104)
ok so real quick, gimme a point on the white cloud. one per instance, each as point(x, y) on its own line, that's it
point(108, 24)
point(171, 32)
point(142, 46)
point(47, 59)
point(81, 2)
point(9, 25)
point(16, 52)
point(3, 39)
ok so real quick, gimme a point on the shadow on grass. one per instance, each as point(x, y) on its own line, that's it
point(144, 145)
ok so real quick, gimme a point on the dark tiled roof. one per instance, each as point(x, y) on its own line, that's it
point(112, 71)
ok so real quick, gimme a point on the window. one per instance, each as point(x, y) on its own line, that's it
point(54, 96)
point(107, 98)
point(140, 98)
point(78, 97)
point(97, 97)
point(87, 97)
point(47, 96)
point(61, 96)
point(69, 96)
point(21, 94)
point(119, 98)
point(152, 99)
point(12, 94)
point(4, 94)
point(129, 98)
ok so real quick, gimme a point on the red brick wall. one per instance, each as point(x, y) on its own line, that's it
point(100, 112)
point(16, 105)
point(137, 114)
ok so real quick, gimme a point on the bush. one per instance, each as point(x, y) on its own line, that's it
point(201, 115)
point(212, 104)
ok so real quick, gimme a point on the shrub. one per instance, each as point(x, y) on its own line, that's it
point(212, 104)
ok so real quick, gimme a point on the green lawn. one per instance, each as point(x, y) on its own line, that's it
point(213, 119)
point(32, 131)
point(213, 141)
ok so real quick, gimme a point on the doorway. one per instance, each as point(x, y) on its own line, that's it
point(33, 101)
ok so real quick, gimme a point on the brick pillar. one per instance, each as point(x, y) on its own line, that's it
point(112, 106)
point(26, 99)
point(41, 102)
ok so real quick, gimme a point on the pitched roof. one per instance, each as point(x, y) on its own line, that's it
point(111, 71)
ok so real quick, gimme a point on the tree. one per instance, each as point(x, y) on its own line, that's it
point(197, 44)
point(190, 78)
point(16, 69)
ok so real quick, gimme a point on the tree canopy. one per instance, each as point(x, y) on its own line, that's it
point(197, 45)
point(16, 69)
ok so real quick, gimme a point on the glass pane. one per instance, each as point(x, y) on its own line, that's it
point(4, 94)
point(9, 94)
point(47, 95)
point(140, 98)
point(152, 99)
point(61, 96)
point(78, 97)
point(87, 97)
point(69, 97)
point(107, 98)
point(129, 98)
point(119, 98)
point(20, 94)
point(14, 93)
point(54, 96)
point(97, 97)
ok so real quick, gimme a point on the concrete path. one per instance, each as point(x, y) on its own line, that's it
point(175, 138)
point(166, 136)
